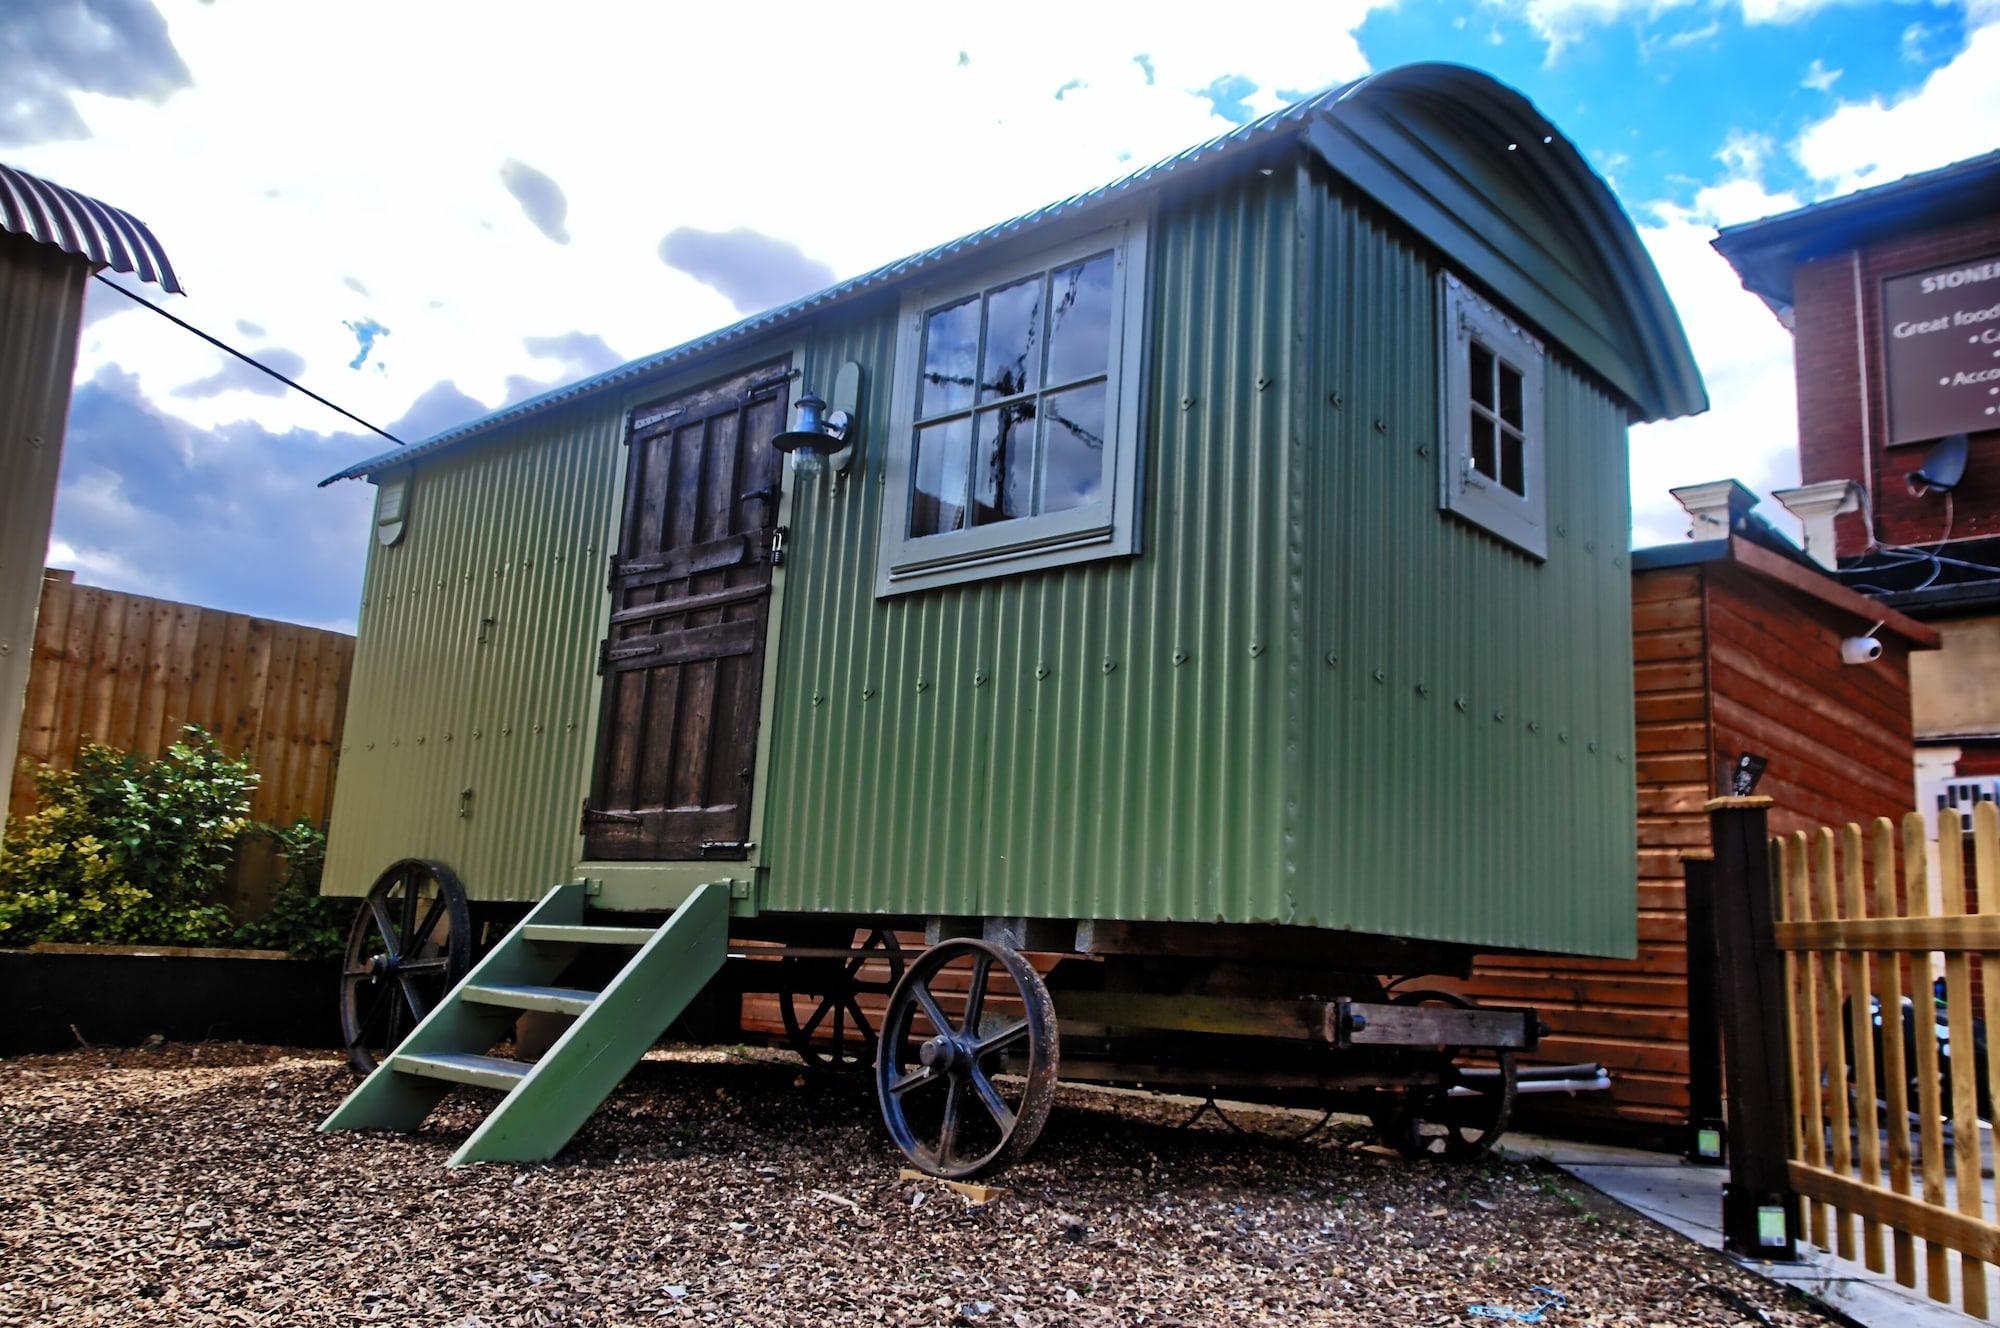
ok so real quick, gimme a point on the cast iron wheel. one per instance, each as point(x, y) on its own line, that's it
point(1433, 1121)
point(830, 991)
point(410, 943)
point(966, 1014)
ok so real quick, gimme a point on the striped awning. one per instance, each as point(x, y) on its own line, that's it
point(79, 224)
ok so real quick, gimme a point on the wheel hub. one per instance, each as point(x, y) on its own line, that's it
point(382, 965)
point(945, 1054)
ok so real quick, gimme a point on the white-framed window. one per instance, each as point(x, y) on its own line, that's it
point(1014, 440)
point(1493, 452)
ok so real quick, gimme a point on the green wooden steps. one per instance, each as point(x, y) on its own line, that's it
point(548, 1100)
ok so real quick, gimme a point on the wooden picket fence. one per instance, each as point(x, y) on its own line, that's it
point(1855, 918)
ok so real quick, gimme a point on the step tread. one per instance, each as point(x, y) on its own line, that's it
point(462, 1068)
point(579, 935)
point(520, 996)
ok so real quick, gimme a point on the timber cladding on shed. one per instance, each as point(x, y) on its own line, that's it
point(1735, 648)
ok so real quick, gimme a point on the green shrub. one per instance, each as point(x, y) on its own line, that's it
point(300, 920)
point(128, 848)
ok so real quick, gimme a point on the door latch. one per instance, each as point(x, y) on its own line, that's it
point(593, 816)
point(778, 535)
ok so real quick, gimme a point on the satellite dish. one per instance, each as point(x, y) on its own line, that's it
point(1944, 465)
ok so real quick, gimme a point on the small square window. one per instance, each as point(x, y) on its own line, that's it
point(1015, 426)
point(1490, 412)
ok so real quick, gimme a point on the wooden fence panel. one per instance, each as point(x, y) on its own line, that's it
point(131, 671)
point(1841, 943)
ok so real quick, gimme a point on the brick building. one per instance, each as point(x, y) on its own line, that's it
point(1893, 297)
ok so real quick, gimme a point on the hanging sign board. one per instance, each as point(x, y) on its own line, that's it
point(1941, 350)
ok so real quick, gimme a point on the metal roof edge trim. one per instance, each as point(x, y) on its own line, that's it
point(46, 212)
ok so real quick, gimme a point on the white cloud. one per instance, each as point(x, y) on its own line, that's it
point(380, 161)
point(1954, 115)
point(1562, 22)
point(1819, 78)
point(1750, 432)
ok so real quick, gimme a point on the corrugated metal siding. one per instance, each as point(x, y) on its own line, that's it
point(515, 533)
point(923, 765)
point(1469, 712)
point(41, 306)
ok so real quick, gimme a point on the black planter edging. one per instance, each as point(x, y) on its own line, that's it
point(118, 996)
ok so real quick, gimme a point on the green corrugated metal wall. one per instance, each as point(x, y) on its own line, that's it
point(1158, 737)
point(1468, 740)
point(515, 532)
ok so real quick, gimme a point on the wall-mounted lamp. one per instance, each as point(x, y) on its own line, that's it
point(823, 437)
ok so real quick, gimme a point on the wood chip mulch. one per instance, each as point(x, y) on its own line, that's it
point(186, 1185)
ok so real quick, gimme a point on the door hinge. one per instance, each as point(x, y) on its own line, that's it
point(593, 816)
point(778, 536)
point(608, 654)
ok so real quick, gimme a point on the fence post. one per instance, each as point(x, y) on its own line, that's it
point(1760, 1213)
point(1705, 1133)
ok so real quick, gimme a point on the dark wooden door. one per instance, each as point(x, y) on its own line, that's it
point(690, 600)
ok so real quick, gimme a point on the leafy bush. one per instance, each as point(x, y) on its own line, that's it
point(300, 920)
point(128, 848)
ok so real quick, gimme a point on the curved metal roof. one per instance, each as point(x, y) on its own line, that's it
point(78, 224)
point(1666, 380)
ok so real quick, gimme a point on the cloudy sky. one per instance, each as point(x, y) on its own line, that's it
point(424, 211)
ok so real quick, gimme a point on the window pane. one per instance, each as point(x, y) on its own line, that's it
point(951, 344)
point(1073, 448)
point(1080, 320)
point(1003, 478)
point(1013, 339)
point(1512, 476)
point(1510, 395)
point(1482, 447)
point(1482, 375)
point(937, 480)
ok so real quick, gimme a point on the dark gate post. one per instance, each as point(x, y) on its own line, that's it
point(1760, 1213)
point(1705, 1133)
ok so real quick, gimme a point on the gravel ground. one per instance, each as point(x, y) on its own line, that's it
point(184, 1185)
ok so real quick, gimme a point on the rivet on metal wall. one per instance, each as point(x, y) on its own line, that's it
point(1423, 449)
point(476, 734)
point(1381, 675)
point(507, 731)
point(395, 742)
point(447, 737)
point(1256, 649)
point(1187, 403)
point(1332, 659)
point(1499, 717)
point(817, 698)
point(1381, 426)
point(1562, 529)
point(1591, 747)
point(923, 684)
point(1262, 383)
point(1618, 560)
point(570, 727)
point(1621, 758)
point(420, 740)
point(1458, 704)
point(868, 693)
point(979, 680)
point(1335, 400)
point(1562, 735)
point(1110, 664)
point(1041, 671)
point(538, 728)
point(1180, 658)
point(1534, 726)
point(1423, 689)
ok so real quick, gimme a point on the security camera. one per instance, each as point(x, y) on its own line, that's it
point(1860, 650)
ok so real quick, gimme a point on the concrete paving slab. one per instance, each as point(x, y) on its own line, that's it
point(1688, 1199)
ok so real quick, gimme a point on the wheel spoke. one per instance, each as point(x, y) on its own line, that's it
point(410, 908)
point(384, 924)
point(975, 994)
point(418, 1005)
point(839, 1037)
point(948, 1131)
point(928, 1003)
point(996, 1106)
point(425, 967)
point(862, 1028)
point(916, 1078)
point(1004, 1039)
point(421, 932)
point(825, 1008)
